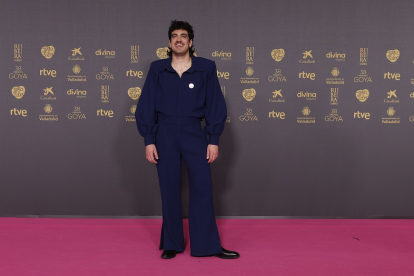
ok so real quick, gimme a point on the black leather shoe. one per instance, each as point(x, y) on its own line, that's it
point(169, 254)
point(227, 254)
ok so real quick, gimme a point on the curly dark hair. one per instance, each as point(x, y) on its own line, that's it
point(181, 25)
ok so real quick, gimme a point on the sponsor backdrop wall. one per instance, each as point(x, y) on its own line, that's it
point(319, 93)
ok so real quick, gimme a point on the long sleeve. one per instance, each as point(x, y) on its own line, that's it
point(145, 113)
point(215, 108)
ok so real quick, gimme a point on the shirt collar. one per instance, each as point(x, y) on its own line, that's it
point(195, 65)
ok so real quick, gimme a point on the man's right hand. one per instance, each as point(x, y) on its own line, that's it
point(150, 152)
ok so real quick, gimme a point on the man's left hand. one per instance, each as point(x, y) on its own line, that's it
point(212, 153)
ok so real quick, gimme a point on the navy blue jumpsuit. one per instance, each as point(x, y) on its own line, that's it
point(169, 114)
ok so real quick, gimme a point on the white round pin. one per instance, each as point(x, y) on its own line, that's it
point(191, 85)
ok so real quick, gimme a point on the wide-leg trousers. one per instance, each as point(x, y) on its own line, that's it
point(180, 139)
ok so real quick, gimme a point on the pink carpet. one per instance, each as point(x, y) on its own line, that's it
point(82, 247)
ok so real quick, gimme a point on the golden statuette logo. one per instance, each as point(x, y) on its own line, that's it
point(48, 108)
point(391, 111)
point(133, 108)
point(278, 54)
point(162, 53)
point(335, 72)
point(362, 95)
point(249, 71)
point(393, 55)
point(18, 92)
point(76, 69)
point(306, 111)
point(249, 94)
point(134, 93)
point(48, 51)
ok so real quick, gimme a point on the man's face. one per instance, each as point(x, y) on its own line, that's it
point(180, 43)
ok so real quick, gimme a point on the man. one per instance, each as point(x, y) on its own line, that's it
point(178, 93)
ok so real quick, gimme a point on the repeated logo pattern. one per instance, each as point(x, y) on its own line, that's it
point(253, 95)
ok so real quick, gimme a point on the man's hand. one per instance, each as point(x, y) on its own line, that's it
point(212, 153)
point(150, 152)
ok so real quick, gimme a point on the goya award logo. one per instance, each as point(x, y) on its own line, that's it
point(134, 93)
point(335, 80)
point(76, 114)
point(76, 69)
point(134, 53)
point(391, 119)
point(48, 51)
point(393, 55)
point(48, 117)
point(363, 77)
point(391, 97)
point(249, 55)
point(334, 96)
point(278, 54)
point(363, 56)
point(48, 94)
point(105, 74)
point(277, 76)
point(248, 116)
point(76, 54)
point(277, 97)
point(162, 53)
point(249, 94)
point(334, 116)
point(129, 117)
point(362, 95)
point(249, 72)
point(17, 73)
point(307, 57)
point(306, 120)
point(17, 51)
point(18, 92)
